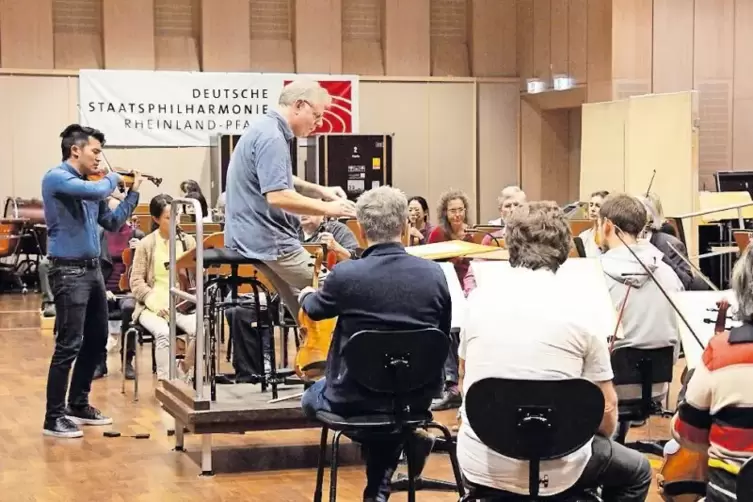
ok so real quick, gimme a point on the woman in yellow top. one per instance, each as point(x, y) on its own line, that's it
point(150, 286)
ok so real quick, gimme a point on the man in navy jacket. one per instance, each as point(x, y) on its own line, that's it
point(386, 289)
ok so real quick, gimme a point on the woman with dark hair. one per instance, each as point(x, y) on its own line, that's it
point(418, 216)
point(206, 217)
point(150, 287)
point(188, 186)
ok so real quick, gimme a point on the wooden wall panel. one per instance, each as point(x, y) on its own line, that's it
point(492, 38)
point(599, 50)
point(555, 156)
point(448, 32)
point(26, 39)
point(223, 24)
point(77, 33)
point(362, 52)
point(632, 47)
point(271, 36)
point(558, 37)
point(673, 45)
point(176, 32)
point(530, 150)
point(406, 38)
point(742, 104)
point(317, 36)
point(128, 34)
point(577, 40)
point(525, 40)
point(542, 43)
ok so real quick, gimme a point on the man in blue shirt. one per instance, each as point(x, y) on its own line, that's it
point(74, 208)
point(263, 197)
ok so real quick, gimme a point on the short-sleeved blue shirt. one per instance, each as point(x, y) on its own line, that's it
point(260, 164)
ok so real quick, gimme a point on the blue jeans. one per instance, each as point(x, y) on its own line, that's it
point(381, 452)
point(81, 320)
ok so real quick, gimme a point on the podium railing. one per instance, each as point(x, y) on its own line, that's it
point(197, 299)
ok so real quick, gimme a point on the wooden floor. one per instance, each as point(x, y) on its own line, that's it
point(249, 467)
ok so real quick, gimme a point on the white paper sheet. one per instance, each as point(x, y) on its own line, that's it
point(694, 306)
point(583, 277)
point(456, 294)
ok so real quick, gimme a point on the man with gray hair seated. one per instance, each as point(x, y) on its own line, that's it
point(511, 197)
point(386, 289)
point(263, 197)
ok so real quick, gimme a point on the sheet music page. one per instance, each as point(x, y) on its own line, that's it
point(456, 294)
point(583, 278)
point(694, 306)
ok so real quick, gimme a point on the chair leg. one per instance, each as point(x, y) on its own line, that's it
point(124, 341)
point(411, 469)
point(135, 376)
point(320, 466)
point(333, 467)
point(452, 451)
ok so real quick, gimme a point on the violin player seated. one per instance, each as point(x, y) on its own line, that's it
point(532, 328)
point(386, 289)
point(247, 355)
point(715, 416)
point(150, 287)
point(648, 319)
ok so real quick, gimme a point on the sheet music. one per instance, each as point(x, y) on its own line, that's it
point(582, 277)
point(456, 294)
point(694, 307)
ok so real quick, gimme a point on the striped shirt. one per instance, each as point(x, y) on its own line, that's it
point(717, 411)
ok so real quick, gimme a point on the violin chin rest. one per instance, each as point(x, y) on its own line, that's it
point(684, 487)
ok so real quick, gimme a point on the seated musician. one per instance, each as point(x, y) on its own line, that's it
point(531, 328)
point(510, 198)
point(361, 294)
point(150, 287)
point(453, 225)
point(648, 319)
point(112, 245)
point(714, 417)
point(589, 236)
point(418, 216)
point(241, 319)
point(655, 233)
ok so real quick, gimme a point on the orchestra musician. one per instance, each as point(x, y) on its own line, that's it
point(361, 294)
point(335, 235)
point(263, 197)
point(74, 208)
point(648, 320)
point(420, 225)
point(588, 236)
point(716, 414)
point(511, 197)
point(507, 335)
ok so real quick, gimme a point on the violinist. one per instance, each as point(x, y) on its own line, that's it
point(716, 414)
point(337, 236)
point(418, 217)
point(511, 197)
point(589, 236)
point(648, 319)
point(74, 208)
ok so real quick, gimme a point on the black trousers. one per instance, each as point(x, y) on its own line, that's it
point(247, 342)
point(451, 364)
point(81, 308)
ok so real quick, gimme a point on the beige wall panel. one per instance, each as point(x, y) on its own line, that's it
point(362, 57)
point(451, 123)
point(498, 108)
point(632, 47)
point(525, 40)
point(272, 56)
point(378, 115)
point(599, 50)
point(26, 39)
point(7, 171)
point(492, 38)
point(559, 36)
point(577, 36)
point(224, 24)
point(317, 36)
point(176, 53)
point(602, 158)
point(742, 105)
point(530, 150)
point(78, 50)
point(542, 55)
point(574, 154)
point(673, 45)
point(406, 40)
point(555, 157)
point(128, 34)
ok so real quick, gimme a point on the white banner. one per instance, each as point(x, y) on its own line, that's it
point(175, 108)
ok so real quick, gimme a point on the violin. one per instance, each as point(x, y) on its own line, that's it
point(684, 465)
point(314, 337)
point(126, 177)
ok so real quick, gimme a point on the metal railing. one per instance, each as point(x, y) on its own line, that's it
point(197, 299)
point(740, 220)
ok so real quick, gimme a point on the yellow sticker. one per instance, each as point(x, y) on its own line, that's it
point(376, 163)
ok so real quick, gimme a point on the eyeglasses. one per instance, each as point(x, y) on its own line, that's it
point(459, 210)
point(317, 116)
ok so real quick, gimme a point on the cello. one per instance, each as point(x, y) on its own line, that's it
point(314, 337)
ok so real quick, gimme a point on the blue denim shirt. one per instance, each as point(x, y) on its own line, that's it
point(75, 208)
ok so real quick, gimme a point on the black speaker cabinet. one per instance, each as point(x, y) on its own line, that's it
point(221, 149)
point(354, 162)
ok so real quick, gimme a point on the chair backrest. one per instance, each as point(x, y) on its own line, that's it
point(643, 367)
point(396, 362)
point(745, 482)
point(534, 419)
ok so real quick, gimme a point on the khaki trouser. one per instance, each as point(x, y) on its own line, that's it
point(289, 274)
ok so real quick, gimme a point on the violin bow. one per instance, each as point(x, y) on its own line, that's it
point(650, 183)
point(694, 268)
point(618, 232)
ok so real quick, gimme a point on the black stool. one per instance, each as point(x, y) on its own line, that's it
point(533, 420)
point(394, 364)
point(644, 367)
point(226, 256)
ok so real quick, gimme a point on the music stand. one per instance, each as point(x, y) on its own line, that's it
point(734, 181)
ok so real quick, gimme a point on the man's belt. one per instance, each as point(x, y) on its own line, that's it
point(75, 262)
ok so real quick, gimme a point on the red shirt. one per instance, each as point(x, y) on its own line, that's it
point(461, 264)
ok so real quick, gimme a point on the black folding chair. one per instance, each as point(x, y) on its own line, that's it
point(745, 482)
point(395, 364)
point(644, 367)
point(533, 420)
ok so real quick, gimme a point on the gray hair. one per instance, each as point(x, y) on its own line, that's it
point(537, 236)
point(742, 283)
point(383, 214)
point(304, 90)
point(652, 203)
point(508, 192)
